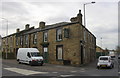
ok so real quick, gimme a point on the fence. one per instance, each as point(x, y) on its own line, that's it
point(10, 55)
point(101, 54)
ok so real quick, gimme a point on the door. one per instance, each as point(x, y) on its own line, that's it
point(82, 54)
point(45, 54)
point(16, 51)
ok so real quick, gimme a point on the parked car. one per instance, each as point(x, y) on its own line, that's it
point(118, 56)
point(29, 56)
point(105, 61)
point(119, 59)
point(112, 54)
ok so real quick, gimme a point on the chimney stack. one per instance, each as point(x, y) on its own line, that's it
point(27, 26)
point(73, 19)
point(17, 30)
point(42, 25)
point(78, 18)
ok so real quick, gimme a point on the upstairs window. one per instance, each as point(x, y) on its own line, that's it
point(34, 38)
point(85, 35)
point(26, 39)
point(59, 34)
point(66, 33)
point(17, 41)
point(21, 40)
point(45, 37)
point(11, 41)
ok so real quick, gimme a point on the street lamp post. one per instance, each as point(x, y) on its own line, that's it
point(84, 11)
point(6, 35)
point(101, 46)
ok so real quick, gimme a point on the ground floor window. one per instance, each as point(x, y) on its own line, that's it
point(45, 54)
point(45, 49)
point(59, 52)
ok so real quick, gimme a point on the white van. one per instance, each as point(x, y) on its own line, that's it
point(29, 56)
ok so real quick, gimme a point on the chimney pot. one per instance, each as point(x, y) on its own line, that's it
point(17, 30)
point(79, 11)
point(42, 25)
point(27, 26)
point(73, 19)
point(79, 17)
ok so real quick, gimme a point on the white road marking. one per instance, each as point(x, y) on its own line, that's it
point(54, 72)
point(95, 75)
point(66, 75)
point(119, 72)
point(82, 69)
point(73, 71)
point(24, 71)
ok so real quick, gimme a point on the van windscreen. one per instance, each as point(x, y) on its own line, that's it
point(104, 58)
point(35, 54)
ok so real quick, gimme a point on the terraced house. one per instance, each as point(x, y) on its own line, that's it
point(68, 43)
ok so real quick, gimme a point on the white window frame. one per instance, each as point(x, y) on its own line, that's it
point(59, 55)
point(59, 34)
point(45, 49)
point(16, 40)
point(45, 36)
point(26, 39)
point(21, 40)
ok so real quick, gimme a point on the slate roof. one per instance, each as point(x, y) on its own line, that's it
point(47, 27)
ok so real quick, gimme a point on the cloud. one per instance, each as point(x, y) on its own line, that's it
point(61, 0)
point(101, 17)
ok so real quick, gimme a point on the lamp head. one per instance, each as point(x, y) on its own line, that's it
point(93, 2)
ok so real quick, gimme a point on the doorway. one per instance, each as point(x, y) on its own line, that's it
point(16, 51)
point(82, 54)
point(45, 54)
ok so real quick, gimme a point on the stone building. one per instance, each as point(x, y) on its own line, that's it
point(68, 43)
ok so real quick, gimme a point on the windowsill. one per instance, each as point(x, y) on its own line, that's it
point(45, 41)
point(59, 59)
point(59, 40)
point(35, 43)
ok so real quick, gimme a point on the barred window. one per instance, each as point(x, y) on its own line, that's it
point(66, 33)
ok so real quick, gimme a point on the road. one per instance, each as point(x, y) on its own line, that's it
point(12, 68)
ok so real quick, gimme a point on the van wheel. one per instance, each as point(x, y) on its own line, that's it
point(98, 67)
point(41, 64)
point(30, 63)
point(19, 62)
point(17, 59)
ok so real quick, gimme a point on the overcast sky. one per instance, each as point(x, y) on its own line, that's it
point(101, 17)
